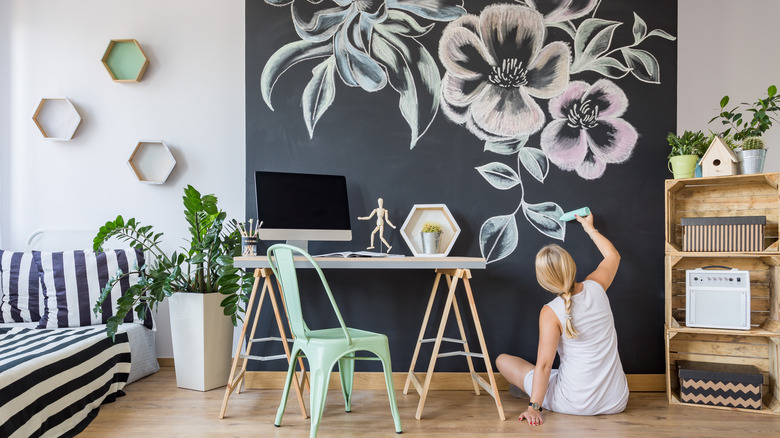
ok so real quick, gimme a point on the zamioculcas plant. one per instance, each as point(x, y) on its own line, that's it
point(206, 266)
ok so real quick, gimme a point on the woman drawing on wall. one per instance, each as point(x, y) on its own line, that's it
point(578, 323)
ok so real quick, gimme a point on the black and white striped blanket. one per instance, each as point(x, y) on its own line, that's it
point(52, 381)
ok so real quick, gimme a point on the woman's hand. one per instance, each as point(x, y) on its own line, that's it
point(533, 416)
point(586, 222)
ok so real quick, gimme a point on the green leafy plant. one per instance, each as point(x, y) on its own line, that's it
point(205, 266)
point(690, 143)
point(759, 122)
point(727, 139)
point(431, 227)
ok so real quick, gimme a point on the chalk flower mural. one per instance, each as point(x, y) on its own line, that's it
point(368, 43)
point(497, 64)
point(587, 132)
point(500, 73)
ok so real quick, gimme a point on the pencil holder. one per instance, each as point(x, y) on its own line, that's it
point(248, 246)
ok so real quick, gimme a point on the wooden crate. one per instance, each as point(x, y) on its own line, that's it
point(764, 284)
point(739, 195)
point(759, 351)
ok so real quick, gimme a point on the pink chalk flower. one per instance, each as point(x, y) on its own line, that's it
point(587, 132)
point(497, 64)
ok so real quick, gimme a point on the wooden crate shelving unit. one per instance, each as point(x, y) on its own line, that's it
point(743, 195)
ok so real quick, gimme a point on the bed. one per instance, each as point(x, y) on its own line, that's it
point(55, 372)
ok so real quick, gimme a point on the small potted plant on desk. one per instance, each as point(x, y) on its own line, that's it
point(431, 237)
point(198, 280)
point(686, 151)
point(752, 152)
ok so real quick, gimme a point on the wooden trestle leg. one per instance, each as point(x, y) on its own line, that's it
point(236, 379)
point(452, 276)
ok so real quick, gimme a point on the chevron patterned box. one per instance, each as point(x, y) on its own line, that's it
point(720, 384)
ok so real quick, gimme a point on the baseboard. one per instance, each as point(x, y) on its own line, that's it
point(441, 381)
point(165, 361)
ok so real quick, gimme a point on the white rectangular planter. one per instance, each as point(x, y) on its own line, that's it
point(202, 339)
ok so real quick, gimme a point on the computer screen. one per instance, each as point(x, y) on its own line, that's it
point(298, 207)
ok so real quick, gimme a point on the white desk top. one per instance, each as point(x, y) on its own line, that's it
point(252, 262)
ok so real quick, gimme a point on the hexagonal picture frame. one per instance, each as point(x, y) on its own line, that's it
point(57, 118)
point(125, 60)
point(151, 161)
point(424, 213)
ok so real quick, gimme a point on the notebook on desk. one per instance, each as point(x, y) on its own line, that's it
point(358, 254)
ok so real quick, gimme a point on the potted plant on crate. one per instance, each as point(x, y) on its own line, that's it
point(685, 153)
point(752, 153)
point(198, 280)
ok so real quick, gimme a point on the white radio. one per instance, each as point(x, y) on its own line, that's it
point(717, 298)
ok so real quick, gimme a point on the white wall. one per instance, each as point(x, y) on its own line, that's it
point(726, 48)
point(5, 112)
point(192, 97)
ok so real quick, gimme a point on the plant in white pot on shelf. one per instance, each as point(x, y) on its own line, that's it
point(206, 291)
point(431, 237)
point(686, 151)
point(759, 117)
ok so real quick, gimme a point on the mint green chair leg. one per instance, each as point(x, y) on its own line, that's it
point(287, 384)
point(347, 373)
point(384, 356)
point(318, 386)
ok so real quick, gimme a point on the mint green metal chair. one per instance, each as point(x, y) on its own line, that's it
point(324, 348)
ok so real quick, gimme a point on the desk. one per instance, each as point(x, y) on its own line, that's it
point(454, 269)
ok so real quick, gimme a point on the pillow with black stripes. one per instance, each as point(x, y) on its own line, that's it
point(20, 296)
point(72, 282)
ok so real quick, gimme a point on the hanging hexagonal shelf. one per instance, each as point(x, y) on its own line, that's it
point(152, 162)
point(125, 60)
point(423, 213)
point(57, 118)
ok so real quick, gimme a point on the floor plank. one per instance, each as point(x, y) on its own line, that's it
point(155, 407)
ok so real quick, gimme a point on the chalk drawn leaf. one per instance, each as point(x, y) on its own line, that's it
point(505, 148)
point(535, 162)
point(545, 217)
point(593, 38)
point(639, 29)
point(499, 175)
point(284, 58)
point(413, 73)
point(660, 33)
point(399, 23)
point(438, 10)
point(355, 66)
point(609, 67)
point(498, 237)
point(643, 65)
point(319, 93)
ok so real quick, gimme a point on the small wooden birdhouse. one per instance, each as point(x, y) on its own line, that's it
point(719, 160)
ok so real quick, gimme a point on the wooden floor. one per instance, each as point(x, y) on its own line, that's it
point(155, 407)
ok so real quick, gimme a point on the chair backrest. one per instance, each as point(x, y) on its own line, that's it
point(281, 259)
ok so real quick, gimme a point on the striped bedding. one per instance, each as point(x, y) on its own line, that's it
point(52, 381)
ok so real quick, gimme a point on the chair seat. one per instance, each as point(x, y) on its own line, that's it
point(337, 334)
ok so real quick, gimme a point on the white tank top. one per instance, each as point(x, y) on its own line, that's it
point(590, 380)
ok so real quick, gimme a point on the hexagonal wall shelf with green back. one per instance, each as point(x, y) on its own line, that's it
point(152, 162)
point(56, 118)
point(125, 60)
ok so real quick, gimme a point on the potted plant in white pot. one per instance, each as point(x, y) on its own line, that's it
point(752, 152)
point(206, 292)
point(686, 151)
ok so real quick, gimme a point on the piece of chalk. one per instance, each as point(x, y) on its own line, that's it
point(584, 211)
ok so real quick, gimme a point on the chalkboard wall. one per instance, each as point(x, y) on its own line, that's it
point(365, 82)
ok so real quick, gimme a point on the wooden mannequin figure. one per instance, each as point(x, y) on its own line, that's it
point(381, 217)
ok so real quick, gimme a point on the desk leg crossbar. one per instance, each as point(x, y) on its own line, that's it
point(452, 276)
point(236, 378)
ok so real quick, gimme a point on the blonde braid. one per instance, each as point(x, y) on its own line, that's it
point(555, 271)
point(570, 331)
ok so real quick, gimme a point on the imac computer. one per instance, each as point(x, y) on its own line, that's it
point(299, 207)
